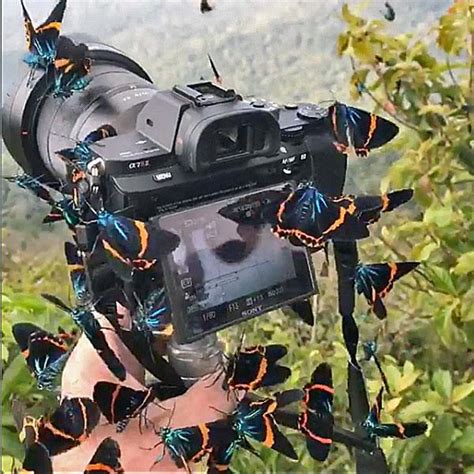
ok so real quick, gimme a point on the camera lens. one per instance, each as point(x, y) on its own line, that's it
point(36, 125)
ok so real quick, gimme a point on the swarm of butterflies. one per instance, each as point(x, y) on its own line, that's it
point(133, 248)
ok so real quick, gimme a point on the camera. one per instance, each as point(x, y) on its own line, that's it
point(178, 157)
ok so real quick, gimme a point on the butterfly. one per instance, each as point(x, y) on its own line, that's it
point(81, 155)
point(72, 65)
point(61, 209)
point(316, 422)
point(308, 217)
point(205, 7)
point(155, 313)
point(357, 131)
point(389, 13)
point(42, 40)
point(185, 445)
point(85, 318)
point(311, 218)
point(106, 459)
point(375, 429)
point(37, 458)
point(376, 280)
point(370, 351)
point(255, 367)
point(132, 245)
point(77, 272)
point(67, 427)
point(251, 419)
point(119, 403)
point(45, 353)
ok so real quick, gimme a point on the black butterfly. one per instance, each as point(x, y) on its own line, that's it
point(375, 429)
point(106, 459)
point(357, 131)
point(316, 422)
point(389, 13)
point(42, 40)
point(45, 353)
point(254, 367)
point(205, 7)
point(67, 427)
point(132, 245)
point(71, 68)
point(85, 318)
point(376, 280)
point(119, 403)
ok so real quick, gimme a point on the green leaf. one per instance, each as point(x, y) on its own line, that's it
point(441, 279)
point(443, 431)
point(462, 391)
point(14, 374)
point(440, 216)
point(443, 383)
point(417, 409)
point(11, 444)
point(465, 443)
point(465, 264)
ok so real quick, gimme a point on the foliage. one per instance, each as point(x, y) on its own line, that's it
point(426, 344)
point(427, 90)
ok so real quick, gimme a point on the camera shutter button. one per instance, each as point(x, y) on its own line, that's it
point(259, 104)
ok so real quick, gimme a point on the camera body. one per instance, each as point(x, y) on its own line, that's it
point(178, 157)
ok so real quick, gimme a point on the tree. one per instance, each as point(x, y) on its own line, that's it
point(429, 91)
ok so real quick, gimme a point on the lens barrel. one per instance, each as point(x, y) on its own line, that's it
point(36, 125)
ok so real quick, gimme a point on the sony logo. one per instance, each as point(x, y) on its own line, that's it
point(138, 164)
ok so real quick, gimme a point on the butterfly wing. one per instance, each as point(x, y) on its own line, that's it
point(42, 41)
point(106, 459)
point(77, 272)
point(376, 280)
point(69, 425)
point(259, 424)
point(37, 459)
point(104, 131)
point(399, 430)
point(304, 310)
point(319, 394)
point(313, 218)
point(118, 402)
point(95, 333)
point(318, 430)
point(388, 202)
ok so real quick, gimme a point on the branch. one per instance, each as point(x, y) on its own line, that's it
point(374, 99)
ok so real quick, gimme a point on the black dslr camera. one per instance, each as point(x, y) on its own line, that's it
point(179, 156)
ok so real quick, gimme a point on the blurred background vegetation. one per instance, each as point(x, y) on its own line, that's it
point(417, 69)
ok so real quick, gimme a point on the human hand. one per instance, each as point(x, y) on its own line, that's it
point(202, 403)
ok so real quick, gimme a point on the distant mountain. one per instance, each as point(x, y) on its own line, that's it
point(280, 49)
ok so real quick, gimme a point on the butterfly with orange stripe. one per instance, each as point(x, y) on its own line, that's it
point(42, 40)
point(106, 459)
point(316, 422)
point(357, 131)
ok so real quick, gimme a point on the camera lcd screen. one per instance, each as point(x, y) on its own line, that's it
point(223, 272)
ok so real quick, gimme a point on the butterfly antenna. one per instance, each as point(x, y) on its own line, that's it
point(217, 76)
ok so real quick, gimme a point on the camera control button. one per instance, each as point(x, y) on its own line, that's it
point(291, 106)
point(259, 104)
point(312, 111)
